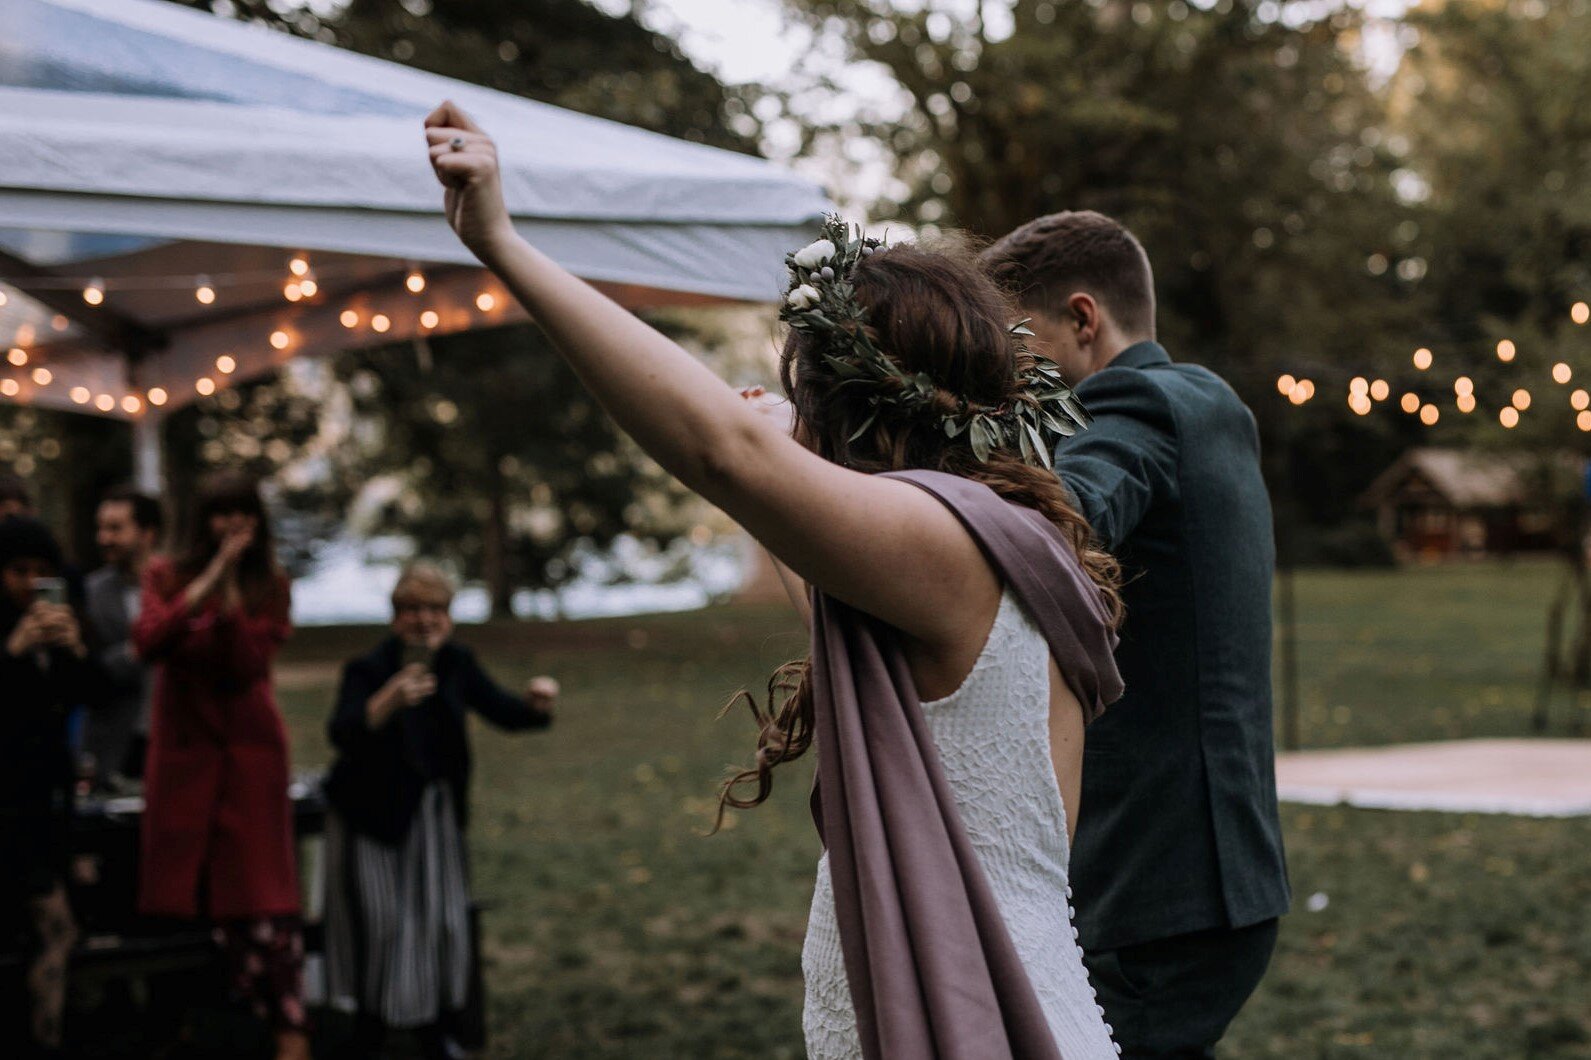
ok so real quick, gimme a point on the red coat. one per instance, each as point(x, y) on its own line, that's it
point(215, 784)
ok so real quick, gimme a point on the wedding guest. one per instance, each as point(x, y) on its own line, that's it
point(962, 618)
point(217, 839)
point(15, 497)
point(43, 670)
point(1180, 876)
point(397, 911)
point(128, 525)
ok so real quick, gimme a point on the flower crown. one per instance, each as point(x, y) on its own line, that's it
point(821, 302)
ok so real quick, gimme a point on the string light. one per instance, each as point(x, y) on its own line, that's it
point(157, 395)
point(42, 376)
point(1380, 390)
point(486, 303)
point(1583, 421)
point(1285, 384)
point(9, 387)
point(1561, 373)
point(1581, 400)
point(131, 405)
point(348, 319)
point(298, 267)
point(292, 291)
point(429, 319)
point(1506, 350)
point(225, 365)
point(309, 288)
point(1422, 358)
point(379, 323)
point(415, 281)
point(1410, 403)
point(279, 340)
point(1359, 385)
point(104, 402)
point(59, 322)
point(1579, 312)
point(1521, 399)
point(1463, 385)
point(204, 294)
point(1466, 403)
point(1360, 403)
point(1429, 415)
point(94, 293)
point(17, 356)
point(1509, 417)
point(204, 385)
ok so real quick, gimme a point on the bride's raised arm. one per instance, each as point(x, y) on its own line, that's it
point(865, 540)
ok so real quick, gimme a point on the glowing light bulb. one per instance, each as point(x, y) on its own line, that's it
point(1359, 385)
point(485, 302)
point(348, 319)
point(204, 385)
point(1463, 385)
point(225, 365)
point(157, 395)
point(104, 402)
point(298, 267)
point(415, 281)
point(1429, 415)
point(1506, 350)
point(42, 376)
point(204, 293)
point(279, 340)
point(94, 293)
point(1410, 403)
point(10, 387)
point(1562, 373)
point(59, 322)
point(1580, 399)
point(1509, 417)
point(1583, 421)
point(1466, 403)
point(379, 323)
point(1580, 313)
point(1360, 403)
point(429, 319)
point(80, 394)
point(1521, 399)
point(1285, 384)
point(1422, 358)
point(1380, 390)
point(131, 405)
point(293, 291)
point(17, 356)
point(309, 288)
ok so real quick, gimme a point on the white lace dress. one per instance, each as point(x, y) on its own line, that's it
point(994, 743)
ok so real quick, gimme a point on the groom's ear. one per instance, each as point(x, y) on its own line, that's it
point(1085, 316)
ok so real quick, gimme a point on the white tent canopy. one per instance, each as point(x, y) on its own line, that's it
point(152, 150)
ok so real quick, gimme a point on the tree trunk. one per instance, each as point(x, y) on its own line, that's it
point(495, 547)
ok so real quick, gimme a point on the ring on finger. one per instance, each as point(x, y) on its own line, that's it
point(457, 143)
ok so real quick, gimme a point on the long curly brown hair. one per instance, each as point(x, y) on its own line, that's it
point(931, 309)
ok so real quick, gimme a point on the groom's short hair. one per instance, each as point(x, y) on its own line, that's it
point(1047, 260)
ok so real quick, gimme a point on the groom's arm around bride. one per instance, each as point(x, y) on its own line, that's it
point(1177, 864)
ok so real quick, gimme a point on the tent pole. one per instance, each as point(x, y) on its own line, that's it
point(148, 462)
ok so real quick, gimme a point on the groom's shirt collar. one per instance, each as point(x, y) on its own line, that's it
point(1141, 355)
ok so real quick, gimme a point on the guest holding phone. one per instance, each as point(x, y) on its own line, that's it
point(397, 908)
point(217, 828)
point(44, 670)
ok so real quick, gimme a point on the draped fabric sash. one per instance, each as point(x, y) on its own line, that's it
point(932, 970)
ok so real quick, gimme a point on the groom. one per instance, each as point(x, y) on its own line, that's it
point(1177, 864)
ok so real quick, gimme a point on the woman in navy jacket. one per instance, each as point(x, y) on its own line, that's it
point(398, 905)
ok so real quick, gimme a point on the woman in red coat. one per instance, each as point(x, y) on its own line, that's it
point(217, 827)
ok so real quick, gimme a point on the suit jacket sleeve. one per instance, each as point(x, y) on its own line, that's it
point(349, 726)
point(1127, 460)
point(492, 702)
point(166, 629)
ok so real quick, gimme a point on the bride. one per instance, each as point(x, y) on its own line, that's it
point(962, 621)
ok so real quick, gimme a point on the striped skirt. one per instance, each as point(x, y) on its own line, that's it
point(397, 917)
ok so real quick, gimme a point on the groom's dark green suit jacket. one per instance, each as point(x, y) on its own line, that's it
point(1179, 829)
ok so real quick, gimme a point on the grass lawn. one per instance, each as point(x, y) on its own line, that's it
point(619, 931)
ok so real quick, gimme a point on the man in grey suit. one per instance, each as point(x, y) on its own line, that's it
point(127, 529)
point(1177, 864)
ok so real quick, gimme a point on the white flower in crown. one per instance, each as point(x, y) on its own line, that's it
point(804, 297)
point(813, 254)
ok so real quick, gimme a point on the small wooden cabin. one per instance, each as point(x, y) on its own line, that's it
point(1435, 503)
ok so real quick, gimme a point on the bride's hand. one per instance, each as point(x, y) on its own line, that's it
point(465, 161)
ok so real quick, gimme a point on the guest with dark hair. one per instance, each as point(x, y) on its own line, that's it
point(397, 911)
point(44, 670)
point(217, 829)
point(128, 526)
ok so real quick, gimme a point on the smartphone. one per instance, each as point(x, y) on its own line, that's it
point(50, 590)
point(417, 653)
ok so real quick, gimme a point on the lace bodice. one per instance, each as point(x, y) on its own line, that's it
point(993, 739)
